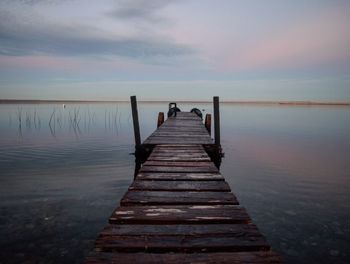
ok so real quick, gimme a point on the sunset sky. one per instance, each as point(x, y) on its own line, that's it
point(175, 50)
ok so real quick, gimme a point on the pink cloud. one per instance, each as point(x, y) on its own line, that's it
point(316, 40)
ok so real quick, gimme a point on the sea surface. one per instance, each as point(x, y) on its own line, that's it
point(63, 171)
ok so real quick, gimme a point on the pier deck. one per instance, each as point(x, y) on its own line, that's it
point(180, 209)
point(185, 128)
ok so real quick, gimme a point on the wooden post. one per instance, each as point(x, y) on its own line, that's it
point(160, 120)
point(135, 119)
point(208, 123)
point(216, 120)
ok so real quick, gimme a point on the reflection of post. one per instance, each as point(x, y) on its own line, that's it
point(135, 119)
point(216, 121)
point(20, 130)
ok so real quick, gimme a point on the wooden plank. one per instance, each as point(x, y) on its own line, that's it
point(178, 155)
point(178, 151)
point(183, 125)
point(179, 126)
point(183, 152)
point(170, 132)
point(163, 140)
point(210, 169)
point(178, 163)
point(180, 214)
point(244, 238)
point(174, 198)
point(181, 117)
point(176, 186)
point(244, 230)
point(183, 122)
point(181, 129)
point(165, 153)
point(254, 257)
point(180, 176)
point(178, 159)
point(198, 135)
point(175, 138)
point(180, 135)
point(179, 114)
point(184, 118)
point(178, 146)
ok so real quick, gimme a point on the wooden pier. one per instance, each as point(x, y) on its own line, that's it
point(180, 209)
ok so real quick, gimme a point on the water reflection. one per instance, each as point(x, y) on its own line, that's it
point(76, 119)
point(63, 171)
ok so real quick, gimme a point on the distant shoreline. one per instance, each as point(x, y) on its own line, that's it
point(296, 103)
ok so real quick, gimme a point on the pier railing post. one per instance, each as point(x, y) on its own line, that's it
point(216, 121)
point(208, 123)
point(135, 119)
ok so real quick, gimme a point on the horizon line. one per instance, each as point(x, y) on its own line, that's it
point(258, 102)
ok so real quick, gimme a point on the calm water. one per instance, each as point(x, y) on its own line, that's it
point(63, 171)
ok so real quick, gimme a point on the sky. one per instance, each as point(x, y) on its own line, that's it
point(285, 50)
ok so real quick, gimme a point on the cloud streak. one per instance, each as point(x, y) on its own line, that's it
point(19, 37)
point(141, 10)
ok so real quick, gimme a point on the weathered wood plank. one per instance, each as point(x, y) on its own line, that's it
point(174, 198)
point(182, 124)
point(178, 163)
point(169, 152)
point(177, 146)
point(179, 132)
point(175, 138)
point(180, 214)
point(178, 159)
point(176, 186)
point(180, 176)
point(175, 120)
point(178, 169)
point(181, 129)
point(187, 114)
point(156, 141)
point(244, 230)
point(181, 149)
point(177, 135)
point(255, 257)
point(158, 155)
point(245, 241)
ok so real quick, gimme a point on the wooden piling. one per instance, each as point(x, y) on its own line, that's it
point(135, 119)
point(160, 120)
point(216, 121)
point(207, 123)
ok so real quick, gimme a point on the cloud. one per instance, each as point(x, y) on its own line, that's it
point(145, 10)
point(314, 40)
point(36, 35)
point(33, 2)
